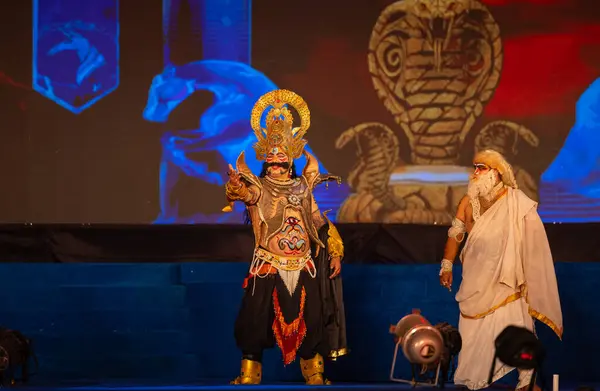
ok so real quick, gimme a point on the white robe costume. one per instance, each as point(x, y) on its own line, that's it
point(508, 279)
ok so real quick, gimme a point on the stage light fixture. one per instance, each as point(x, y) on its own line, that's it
point(518, 347)
point(421, 343)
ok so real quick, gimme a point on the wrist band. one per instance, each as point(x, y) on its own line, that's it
point(446, 266)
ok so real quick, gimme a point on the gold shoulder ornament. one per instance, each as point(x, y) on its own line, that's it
point(335, 244)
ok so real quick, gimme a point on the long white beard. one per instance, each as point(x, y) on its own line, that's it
point(483, 185)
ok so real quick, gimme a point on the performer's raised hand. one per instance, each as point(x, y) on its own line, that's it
point(336, 267)
point(234, 177)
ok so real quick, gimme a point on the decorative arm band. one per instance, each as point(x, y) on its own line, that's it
point(446, 266)
point(335, 245)
point(457, 231)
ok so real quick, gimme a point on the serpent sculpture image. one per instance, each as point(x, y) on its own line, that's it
point(435, 64)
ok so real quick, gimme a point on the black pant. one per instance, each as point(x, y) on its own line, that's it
point(254, 324)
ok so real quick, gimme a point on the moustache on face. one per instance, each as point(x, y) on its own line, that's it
point(284, 165)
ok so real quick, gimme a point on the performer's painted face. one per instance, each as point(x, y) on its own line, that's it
point(482, 181)
point(480, 168)
point(278, 164)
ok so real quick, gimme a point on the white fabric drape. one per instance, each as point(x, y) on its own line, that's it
point(508, 277)
point(477, 353)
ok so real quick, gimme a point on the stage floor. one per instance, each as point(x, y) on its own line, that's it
point(222, 385)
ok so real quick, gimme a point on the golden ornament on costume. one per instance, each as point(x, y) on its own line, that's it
point(280, 135)
point(435, 65)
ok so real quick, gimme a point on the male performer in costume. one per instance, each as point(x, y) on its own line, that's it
point(508, 272)
point(293, 293)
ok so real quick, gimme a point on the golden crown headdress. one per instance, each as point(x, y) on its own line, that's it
point(280, 135)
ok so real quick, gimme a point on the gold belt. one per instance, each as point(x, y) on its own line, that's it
point(281, 262)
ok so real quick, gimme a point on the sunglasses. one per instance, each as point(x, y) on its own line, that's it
point(480, 167)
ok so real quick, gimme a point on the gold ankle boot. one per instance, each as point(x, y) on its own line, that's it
point(313, 369)
point(251, 373)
